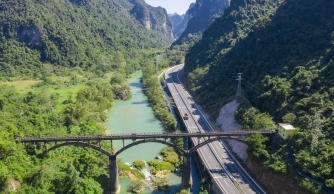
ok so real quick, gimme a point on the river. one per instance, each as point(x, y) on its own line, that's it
point(136, 116)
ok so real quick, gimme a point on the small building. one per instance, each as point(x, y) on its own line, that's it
point(286, 130)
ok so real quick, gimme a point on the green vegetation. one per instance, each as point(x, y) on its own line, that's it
point(202, 15)
point(182, 191)
point(49, 109)
point(155, 95)
point(62, 64)
point(139, 164)
point(159, 166)
point(286, 60)
point(136, 186)
point(126, 171)
point(251, 118)
point(139, 175)
point(171, 156)
point(42, 37)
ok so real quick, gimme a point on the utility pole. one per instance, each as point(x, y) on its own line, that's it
point(316, 131)
point(239, 85)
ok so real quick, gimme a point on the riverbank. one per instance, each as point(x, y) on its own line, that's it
point(136, 116)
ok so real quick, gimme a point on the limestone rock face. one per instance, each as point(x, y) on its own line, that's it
point(200, 16)
point(153, 18)
point(226, 122)
point(180, 22)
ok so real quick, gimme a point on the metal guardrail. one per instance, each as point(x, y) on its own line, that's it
point(213, 150)
point(139, 136)
point(231, 155)
point(228, 151)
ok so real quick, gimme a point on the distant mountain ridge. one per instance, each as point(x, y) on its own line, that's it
point(180, 22)
point(200, 16)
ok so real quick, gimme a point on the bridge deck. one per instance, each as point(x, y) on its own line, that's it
point(142, 136)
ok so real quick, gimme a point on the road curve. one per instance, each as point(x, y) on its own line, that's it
point(226, 172)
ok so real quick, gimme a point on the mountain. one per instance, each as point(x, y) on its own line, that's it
point(180, 22)
point(200, 16)
point(155, 18)
point(176, 19)
point(80, 33)
point(286, 60)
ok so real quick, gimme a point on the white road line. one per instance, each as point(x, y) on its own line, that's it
point(226, 183)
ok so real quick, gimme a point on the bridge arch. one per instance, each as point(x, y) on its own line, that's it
point(209, 140)
point(150, 141)
point(81, 144)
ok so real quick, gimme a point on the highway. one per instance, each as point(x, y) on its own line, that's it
point(226, 172)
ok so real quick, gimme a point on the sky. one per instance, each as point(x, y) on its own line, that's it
point(172, 6)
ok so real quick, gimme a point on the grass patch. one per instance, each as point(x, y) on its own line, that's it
point(22, 84)
point(171, 156)
point(159, 166)
point(139, 164)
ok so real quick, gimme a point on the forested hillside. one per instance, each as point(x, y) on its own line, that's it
point(200, 15)
point(62, 64)
point(285, 51)
point(92, 35)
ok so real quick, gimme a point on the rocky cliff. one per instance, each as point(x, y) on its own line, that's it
point(226, 122)
point(180, 26)
point(153, 18)
point(200, 16)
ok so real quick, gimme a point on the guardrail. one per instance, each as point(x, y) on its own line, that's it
point(132, 136)
point(213, 151)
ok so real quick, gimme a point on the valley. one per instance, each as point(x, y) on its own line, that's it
point(72, 68)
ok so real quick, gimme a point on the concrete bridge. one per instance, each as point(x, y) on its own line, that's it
point(94, 142)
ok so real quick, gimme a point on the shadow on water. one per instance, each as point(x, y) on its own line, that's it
point(136, 85)
point(141, 102)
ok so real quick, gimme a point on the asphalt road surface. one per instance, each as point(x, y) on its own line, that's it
point(227, 173)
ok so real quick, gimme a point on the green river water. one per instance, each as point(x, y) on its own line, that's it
point(136, 116)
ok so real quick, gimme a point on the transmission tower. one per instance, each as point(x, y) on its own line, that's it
point(239, 85)
point(316, 131)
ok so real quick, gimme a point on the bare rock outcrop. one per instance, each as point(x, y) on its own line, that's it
point(226, 122)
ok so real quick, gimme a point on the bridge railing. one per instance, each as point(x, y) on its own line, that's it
point(135, 136)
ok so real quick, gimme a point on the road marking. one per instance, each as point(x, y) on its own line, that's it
point(210, 158)
point(226, 183)
point(176, 85)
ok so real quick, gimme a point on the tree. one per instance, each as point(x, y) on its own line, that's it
point(136, 186)
point(257, 147)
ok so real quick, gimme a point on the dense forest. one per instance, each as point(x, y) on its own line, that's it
point(284, 50)
point(92, 35)
point(62, 64)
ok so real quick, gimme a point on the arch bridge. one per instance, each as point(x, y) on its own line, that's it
point(203, 138)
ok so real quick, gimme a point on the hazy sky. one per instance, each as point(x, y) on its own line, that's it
point(172, 6)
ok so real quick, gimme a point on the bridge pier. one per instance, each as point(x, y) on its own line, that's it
point(115, 187)
point(186, 171)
